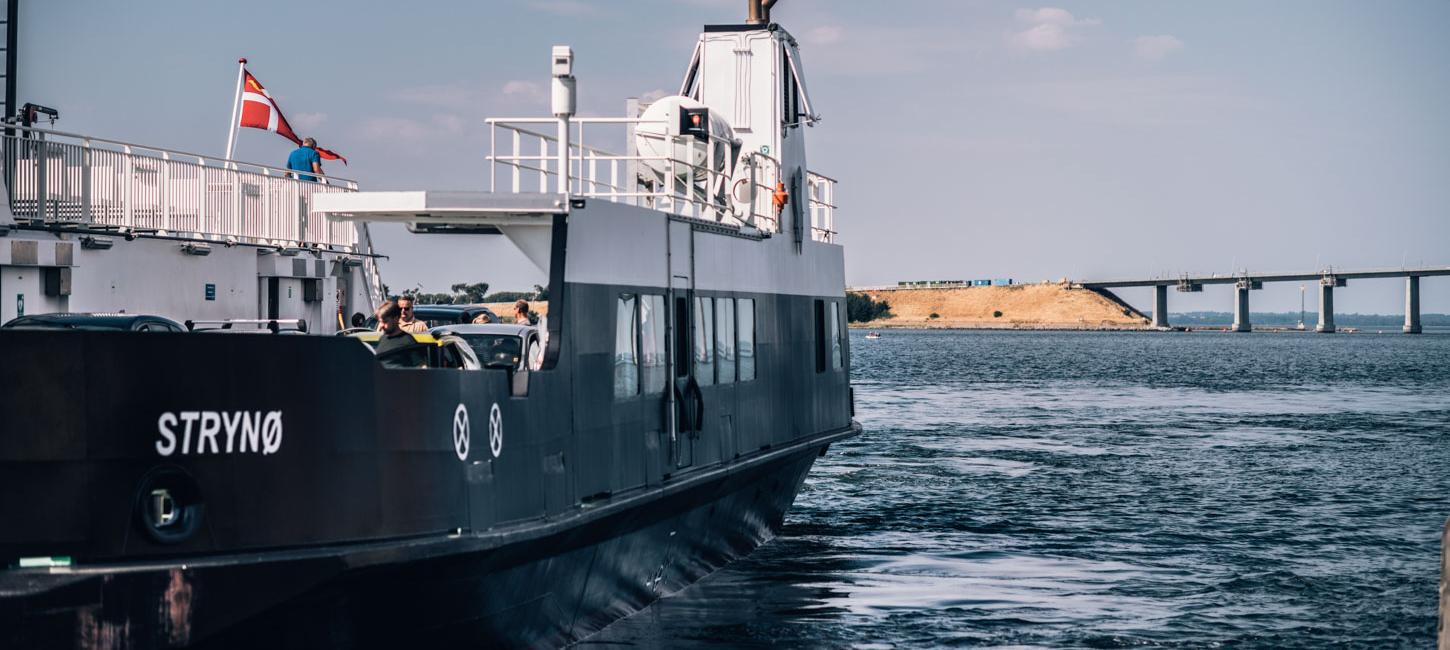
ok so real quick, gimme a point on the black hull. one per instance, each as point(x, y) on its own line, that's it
point(535, 586)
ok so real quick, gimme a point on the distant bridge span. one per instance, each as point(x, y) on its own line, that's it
point(1246, 282)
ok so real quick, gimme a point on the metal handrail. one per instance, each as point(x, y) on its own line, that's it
point(63, 178)
point(534, 157)
point(172, 152)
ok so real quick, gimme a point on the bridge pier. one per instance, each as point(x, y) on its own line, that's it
point(1241, 306)
point(1412, 304)
point(1326, 305)
point(1160, 306)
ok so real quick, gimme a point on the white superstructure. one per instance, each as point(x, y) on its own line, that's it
point(96, 225)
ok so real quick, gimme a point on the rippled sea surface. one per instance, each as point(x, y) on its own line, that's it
point(1106, 490)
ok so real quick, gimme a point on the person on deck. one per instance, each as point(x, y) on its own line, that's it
point(408, 323)
point(522, 315)
point(305, 159)
point(393, 336)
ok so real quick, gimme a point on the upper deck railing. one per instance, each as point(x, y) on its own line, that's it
point(693, 180)
point(58, 178)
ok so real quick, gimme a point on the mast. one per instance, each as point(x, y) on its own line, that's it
point(12, 34)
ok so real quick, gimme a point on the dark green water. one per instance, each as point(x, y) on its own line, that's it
point(1106, 490)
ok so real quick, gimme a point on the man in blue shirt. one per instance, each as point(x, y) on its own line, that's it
point(306, 159)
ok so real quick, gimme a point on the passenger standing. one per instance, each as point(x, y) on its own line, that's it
point(305, 159)
point(393, 336)
point(408, 322)
point(522, 315)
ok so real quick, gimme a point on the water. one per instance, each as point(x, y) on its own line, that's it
point(1106, 490)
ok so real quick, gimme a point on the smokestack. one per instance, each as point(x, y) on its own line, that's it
point(760, 11)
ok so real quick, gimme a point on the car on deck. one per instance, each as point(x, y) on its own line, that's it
point(427, 351)
point(500, 345)
point(95, 322)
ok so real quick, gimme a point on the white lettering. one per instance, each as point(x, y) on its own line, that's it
point(167, 444)
point(272, 433)
point(189, 417)
point(211, 424)
point(230, 421)
point(246, 432)
point(250, 427)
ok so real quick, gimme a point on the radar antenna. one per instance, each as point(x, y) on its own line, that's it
point(760, 11)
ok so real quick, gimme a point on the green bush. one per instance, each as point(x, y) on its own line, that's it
point(861, 308)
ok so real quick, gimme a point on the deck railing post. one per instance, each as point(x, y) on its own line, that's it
point(128, 207)
point(42, 193)
point(87, 215)
point(163, 188)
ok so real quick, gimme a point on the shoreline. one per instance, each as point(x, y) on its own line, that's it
point(1061, 327)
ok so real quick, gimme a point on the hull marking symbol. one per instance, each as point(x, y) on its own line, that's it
point(460, 432)
point(495, 430)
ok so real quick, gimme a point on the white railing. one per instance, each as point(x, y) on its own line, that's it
point(69, 179)
point(699, 179)
point(821, 192)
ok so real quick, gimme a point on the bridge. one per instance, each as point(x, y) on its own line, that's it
point(1246, 282)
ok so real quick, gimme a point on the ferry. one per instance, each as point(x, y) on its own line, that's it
point(165, 488)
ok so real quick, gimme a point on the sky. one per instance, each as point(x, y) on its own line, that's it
point(971, 139)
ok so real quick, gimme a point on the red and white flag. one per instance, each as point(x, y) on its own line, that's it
point(260, 111)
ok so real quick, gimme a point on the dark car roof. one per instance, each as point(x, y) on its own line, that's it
point(88, 321)
point(443, 312)
point(442, 309)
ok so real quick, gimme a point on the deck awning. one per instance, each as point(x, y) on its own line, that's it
point(525, 219)
point(436, 207)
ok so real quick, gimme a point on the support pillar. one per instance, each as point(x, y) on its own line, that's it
point(1412, 305)
point(1326, 305)
point(1241, 306)
point(1160, 306)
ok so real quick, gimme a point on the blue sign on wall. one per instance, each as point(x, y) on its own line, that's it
point(211, 292)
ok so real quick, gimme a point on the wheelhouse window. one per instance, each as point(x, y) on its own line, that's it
point(653, 339)
point(745, 314)
point(704, 336)
point(626, 351)
point(837, 349)
point(725, 340)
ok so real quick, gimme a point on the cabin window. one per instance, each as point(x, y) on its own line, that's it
point(653, 339)
point(837, 349)
point(820, 334)
point(725, 340)
point(626, 349)
point(745, 314)
point(704, 341)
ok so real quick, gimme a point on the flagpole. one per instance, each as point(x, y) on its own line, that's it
point(236, 100)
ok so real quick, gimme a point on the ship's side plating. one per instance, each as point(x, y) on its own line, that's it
point(363, 463)
point(316, 498)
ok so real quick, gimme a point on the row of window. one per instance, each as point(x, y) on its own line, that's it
point(830, 335)
point(723, 341)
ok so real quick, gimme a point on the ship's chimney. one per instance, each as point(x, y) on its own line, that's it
point(760, 11)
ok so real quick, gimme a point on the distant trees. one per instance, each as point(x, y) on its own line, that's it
point(861, 308)
point(470, 292)
point(464, 293)
point(539, 293)
point(467, 293)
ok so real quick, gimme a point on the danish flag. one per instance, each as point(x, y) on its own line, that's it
point(260, 111)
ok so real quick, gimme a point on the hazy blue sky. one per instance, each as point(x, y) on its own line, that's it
point(972, 139)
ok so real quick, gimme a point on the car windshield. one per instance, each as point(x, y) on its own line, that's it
point(495, 348)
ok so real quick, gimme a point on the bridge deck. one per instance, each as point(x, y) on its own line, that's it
point(1269, 277)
